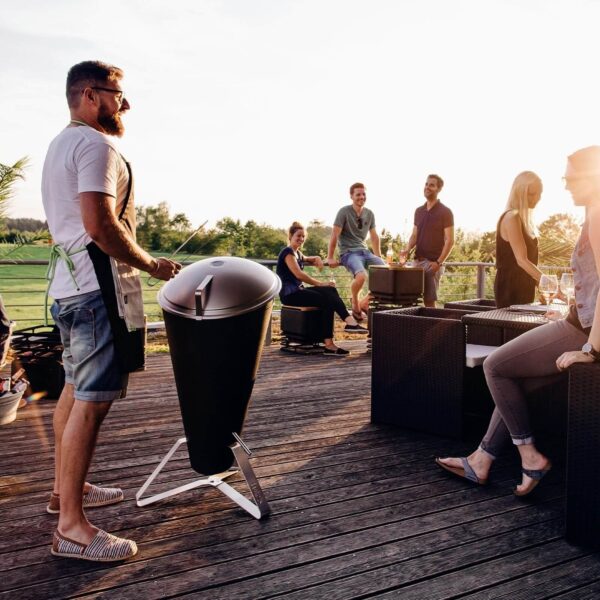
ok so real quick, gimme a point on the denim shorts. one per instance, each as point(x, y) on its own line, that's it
point(89, 357)
point(359, 260)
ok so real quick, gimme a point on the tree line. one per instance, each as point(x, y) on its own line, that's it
point(160, 231)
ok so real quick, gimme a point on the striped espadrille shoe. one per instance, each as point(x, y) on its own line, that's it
point(95, 496)
point(105, 547)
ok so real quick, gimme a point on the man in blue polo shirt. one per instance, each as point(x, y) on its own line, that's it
point(432, 236)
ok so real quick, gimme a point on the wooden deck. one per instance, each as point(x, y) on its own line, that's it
point(359, 511)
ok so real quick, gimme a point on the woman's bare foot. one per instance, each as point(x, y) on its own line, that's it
point(540, 467)
point(479, 461)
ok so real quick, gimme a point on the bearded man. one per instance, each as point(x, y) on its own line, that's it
point(87, 191)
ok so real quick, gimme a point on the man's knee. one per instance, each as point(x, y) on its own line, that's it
point(360, 278)
point(93, 412)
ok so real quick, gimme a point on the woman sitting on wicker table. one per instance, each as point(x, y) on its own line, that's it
point(546, 350)
point(290, 268)
point(516, 244)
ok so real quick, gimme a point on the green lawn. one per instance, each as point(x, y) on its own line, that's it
point(23, 286)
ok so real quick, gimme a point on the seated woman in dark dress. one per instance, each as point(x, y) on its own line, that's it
point(516, 244)
point(290, 268)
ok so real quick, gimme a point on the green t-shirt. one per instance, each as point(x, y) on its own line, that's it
point(354, 228)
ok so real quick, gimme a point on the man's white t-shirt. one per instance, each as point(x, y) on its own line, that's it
point(79, 159)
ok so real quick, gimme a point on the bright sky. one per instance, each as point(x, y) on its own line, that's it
point(270, 109)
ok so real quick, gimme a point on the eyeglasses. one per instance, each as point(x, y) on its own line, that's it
point(119, 93)
point(359, 222)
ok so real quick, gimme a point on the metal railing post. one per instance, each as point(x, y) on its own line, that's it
point(480, 281)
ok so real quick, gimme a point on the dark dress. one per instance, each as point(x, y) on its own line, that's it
point(513, 285)
point(293, 293)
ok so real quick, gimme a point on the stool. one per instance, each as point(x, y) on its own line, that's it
point(302, 329)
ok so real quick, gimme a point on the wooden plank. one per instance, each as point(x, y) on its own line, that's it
point(489, 573)
point(302, 541)
point(585, 592)
point(294, 577)
point(358, 509)
point(553, 582)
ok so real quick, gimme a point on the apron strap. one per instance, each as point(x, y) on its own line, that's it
point(57, 252)
point(129, 186)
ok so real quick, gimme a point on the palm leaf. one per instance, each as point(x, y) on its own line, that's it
point(9, 175)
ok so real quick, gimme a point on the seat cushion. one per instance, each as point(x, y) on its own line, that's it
point(476, 354)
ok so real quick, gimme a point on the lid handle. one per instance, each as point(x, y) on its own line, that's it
point(201, 293)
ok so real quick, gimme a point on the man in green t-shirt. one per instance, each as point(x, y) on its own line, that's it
point(350, 228)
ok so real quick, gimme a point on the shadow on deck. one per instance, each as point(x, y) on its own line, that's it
point(359, 510)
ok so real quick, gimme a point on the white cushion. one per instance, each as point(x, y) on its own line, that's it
point(477, 353)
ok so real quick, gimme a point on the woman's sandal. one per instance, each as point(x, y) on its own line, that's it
point(466, 471)
point(104, 547)
point(536, 476)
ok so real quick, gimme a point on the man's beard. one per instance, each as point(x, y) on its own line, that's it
point(111, 123)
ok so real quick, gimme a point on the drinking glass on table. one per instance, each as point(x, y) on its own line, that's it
point(548, 287)
point(567, 286)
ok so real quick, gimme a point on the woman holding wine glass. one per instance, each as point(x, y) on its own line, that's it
point(517, 245)
point(548, 286)
point(546, 351)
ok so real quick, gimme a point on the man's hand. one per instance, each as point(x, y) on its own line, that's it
point(434, 266)
point(164, 268)
point(331, 263)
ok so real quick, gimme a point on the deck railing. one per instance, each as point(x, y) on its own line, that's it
point(23, 284)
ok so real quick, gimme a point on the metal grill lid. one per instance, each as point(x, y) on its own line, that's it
point(217, 288)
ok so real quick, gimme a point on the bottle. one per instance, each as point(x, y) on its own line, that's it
point(389, 256)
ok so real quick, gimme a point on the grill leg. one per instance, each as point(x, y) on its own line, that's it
point(241, 453)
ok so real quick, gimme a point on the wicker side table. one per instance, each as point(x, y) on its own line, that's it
point(499, 326)
point(419, 378)
point(473, 304)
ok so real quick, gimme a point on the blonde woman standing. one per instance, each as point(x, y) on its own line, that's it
point(516, 244)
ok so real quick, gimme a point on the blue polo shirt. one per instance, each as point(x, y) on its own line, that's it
point(430, 229)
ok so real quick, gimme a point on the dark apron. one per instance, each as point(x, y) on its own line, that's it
point(122, 293)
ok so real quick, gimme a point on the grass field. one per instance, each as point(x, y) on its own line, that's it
point(23, 286)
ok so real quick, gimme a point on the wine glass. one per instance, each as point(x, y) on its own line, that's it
point(331, 276)
point(567, 286)
point(548, 287)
